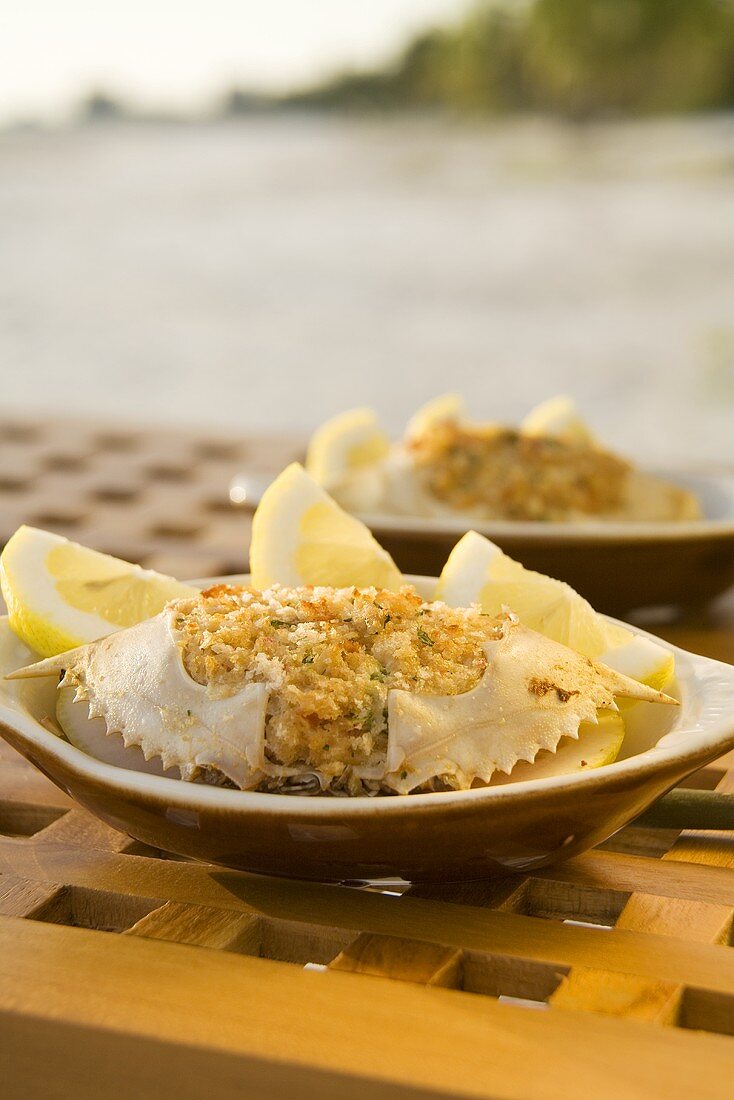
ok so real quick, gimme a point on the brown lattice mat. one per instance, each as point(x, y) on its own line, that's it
point(157, 497)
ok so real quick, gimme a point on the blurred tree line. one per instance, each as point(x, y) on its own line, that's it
point(578, 58)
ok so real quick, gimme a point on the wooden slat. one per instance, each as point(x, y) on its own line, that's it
point(86, 1062)
point(663, 878)
point(611, 873)
point(78, 828)
point(686, 918)
point(346, 1024)
point(20, 898)
point(201, 926)
point(457, 926)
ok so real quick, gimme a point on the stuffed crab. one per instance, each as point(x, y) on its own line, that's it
point(347, 691)
point(551, 468)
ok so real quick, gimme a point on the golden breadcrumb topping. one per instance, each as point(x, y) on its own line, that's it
point(498, 473)
point(331, 655)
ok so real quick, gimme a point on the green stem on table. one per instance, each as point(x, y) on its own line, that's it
point(690, 809)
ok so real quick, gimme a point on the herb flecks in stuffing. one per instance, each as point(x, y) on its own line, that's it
point(330, 657)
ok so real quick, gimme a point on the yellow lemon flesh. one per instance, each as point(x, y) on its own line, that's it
point(301, 536)
point(60, 594)
point(345, 444)
point(597, 745)
point(477, 571)
point(643, 660)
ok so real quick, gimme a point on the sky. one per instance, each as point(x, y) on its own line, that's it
point(181, 54)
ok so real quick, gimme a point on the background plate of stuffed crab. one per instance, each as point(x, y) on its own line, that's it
point(548, 493)
point(149, 708)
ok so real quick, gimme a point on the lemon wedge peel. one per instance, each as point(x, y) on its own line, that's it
point(347, 443)
point(301, 536)
point(477, 571)
point(60, 594)
point(558, 418)
point(449, 406)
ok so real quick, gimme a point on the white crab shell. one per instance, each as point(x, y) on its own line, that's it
point(136, 681)
point(533, 693)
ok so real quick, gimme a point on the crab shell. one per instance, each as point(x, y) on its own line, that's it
point(533, 693)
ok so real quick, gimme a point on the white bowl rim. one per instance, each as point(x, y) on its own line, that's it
point(705, 722)
point(582, 533)
point(599, 531)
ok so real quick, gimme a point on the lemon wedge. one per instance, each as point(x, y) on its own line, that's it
point(559, 418)
point(345, 444)
point(643, 660)
point(60, 594)
point(449, 406)
point(477, 571)
point(301, 536)
point(598, 744)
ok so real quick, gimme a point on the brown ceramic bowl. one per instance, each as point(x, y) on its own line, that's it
point(430, 837)
point(617, 566)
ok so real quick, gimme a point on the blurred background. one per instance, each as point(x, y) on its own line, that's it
point(240, 215)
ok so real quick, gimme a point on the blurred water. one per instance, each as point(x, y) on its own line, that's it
point(274, 271)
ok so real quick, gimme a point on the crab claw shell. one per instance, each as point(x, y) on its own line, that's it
point(50, 666)
point(136, 681)
point(533, 693)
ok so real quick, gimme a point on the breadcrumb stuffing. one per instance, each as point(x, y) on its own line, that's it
point(499, 473)
point(330, 655)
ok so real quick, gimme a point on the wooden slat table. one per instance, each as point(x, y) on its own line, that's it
point(125, 972)
point(156, 497)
